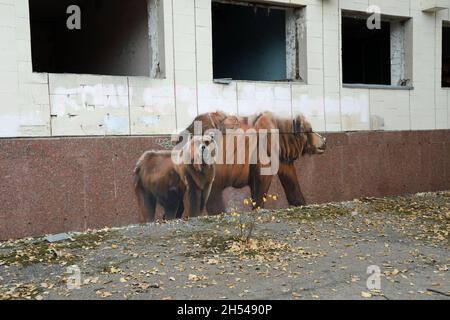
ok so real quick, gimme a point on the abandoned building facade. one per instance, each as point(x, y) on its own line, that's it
point(86, 85)
point(149, 66)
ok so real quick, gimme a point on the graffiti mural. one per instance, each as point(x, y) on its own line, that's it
point(247, 151)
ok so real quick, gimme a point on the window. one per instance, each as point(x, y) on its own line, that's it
point(446, 56)
point(114, 37)
point(376, 56)
point(258, 42)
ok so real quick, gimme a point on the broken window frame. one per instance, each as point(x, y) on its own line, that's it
point(296, 50)
point(156, 38)
point(401, 78)
point(156, 43)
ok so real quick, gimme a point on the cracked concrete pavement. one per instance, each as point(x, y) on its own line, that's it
point(311, 252)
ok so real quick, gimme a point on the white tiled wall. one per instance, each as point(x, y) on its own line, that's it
point(24, 98)
point(66, 105)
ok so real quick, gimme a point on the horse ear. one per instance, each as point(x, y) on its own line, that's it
point(297, 125)
point(221, 128)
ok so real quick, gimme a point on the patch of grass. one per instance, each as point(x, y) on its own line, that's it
point(38, 252)
point(210, 219)
point(254, 248)
point(209, 243)
point(313, 212)
point(88, 240)
point(426, 216)
point(26, 253)
point(223, 221)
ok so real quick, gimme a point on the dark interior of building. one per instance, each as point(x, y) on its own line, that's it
point(249, 42)
point(113, 39)
point(366, 53)
point(446, 56)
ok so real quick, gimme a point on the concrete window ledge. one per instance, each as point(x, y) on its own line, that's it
point(434, 5)
point(376, 86)
point(227, 81)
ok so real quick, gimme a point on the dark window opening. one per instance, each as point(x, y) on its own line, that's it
point(250, 42)
point(113, 39)
point(366, 53)
point(446, 56)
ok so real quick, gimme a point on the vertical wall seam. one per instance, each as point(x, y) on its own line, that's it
point(129, 105)
point(370, 110)
point(237, 97)
point(49, 104)
point(196, 55)
point(340, 62)
point(323, 69)
point(291, 88)
point(435, 68)
point(174, 68)
point(409, 106)
point(412, 69)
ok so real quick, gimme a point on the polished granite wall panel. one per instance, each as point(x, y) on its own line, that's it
point(53, 185)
